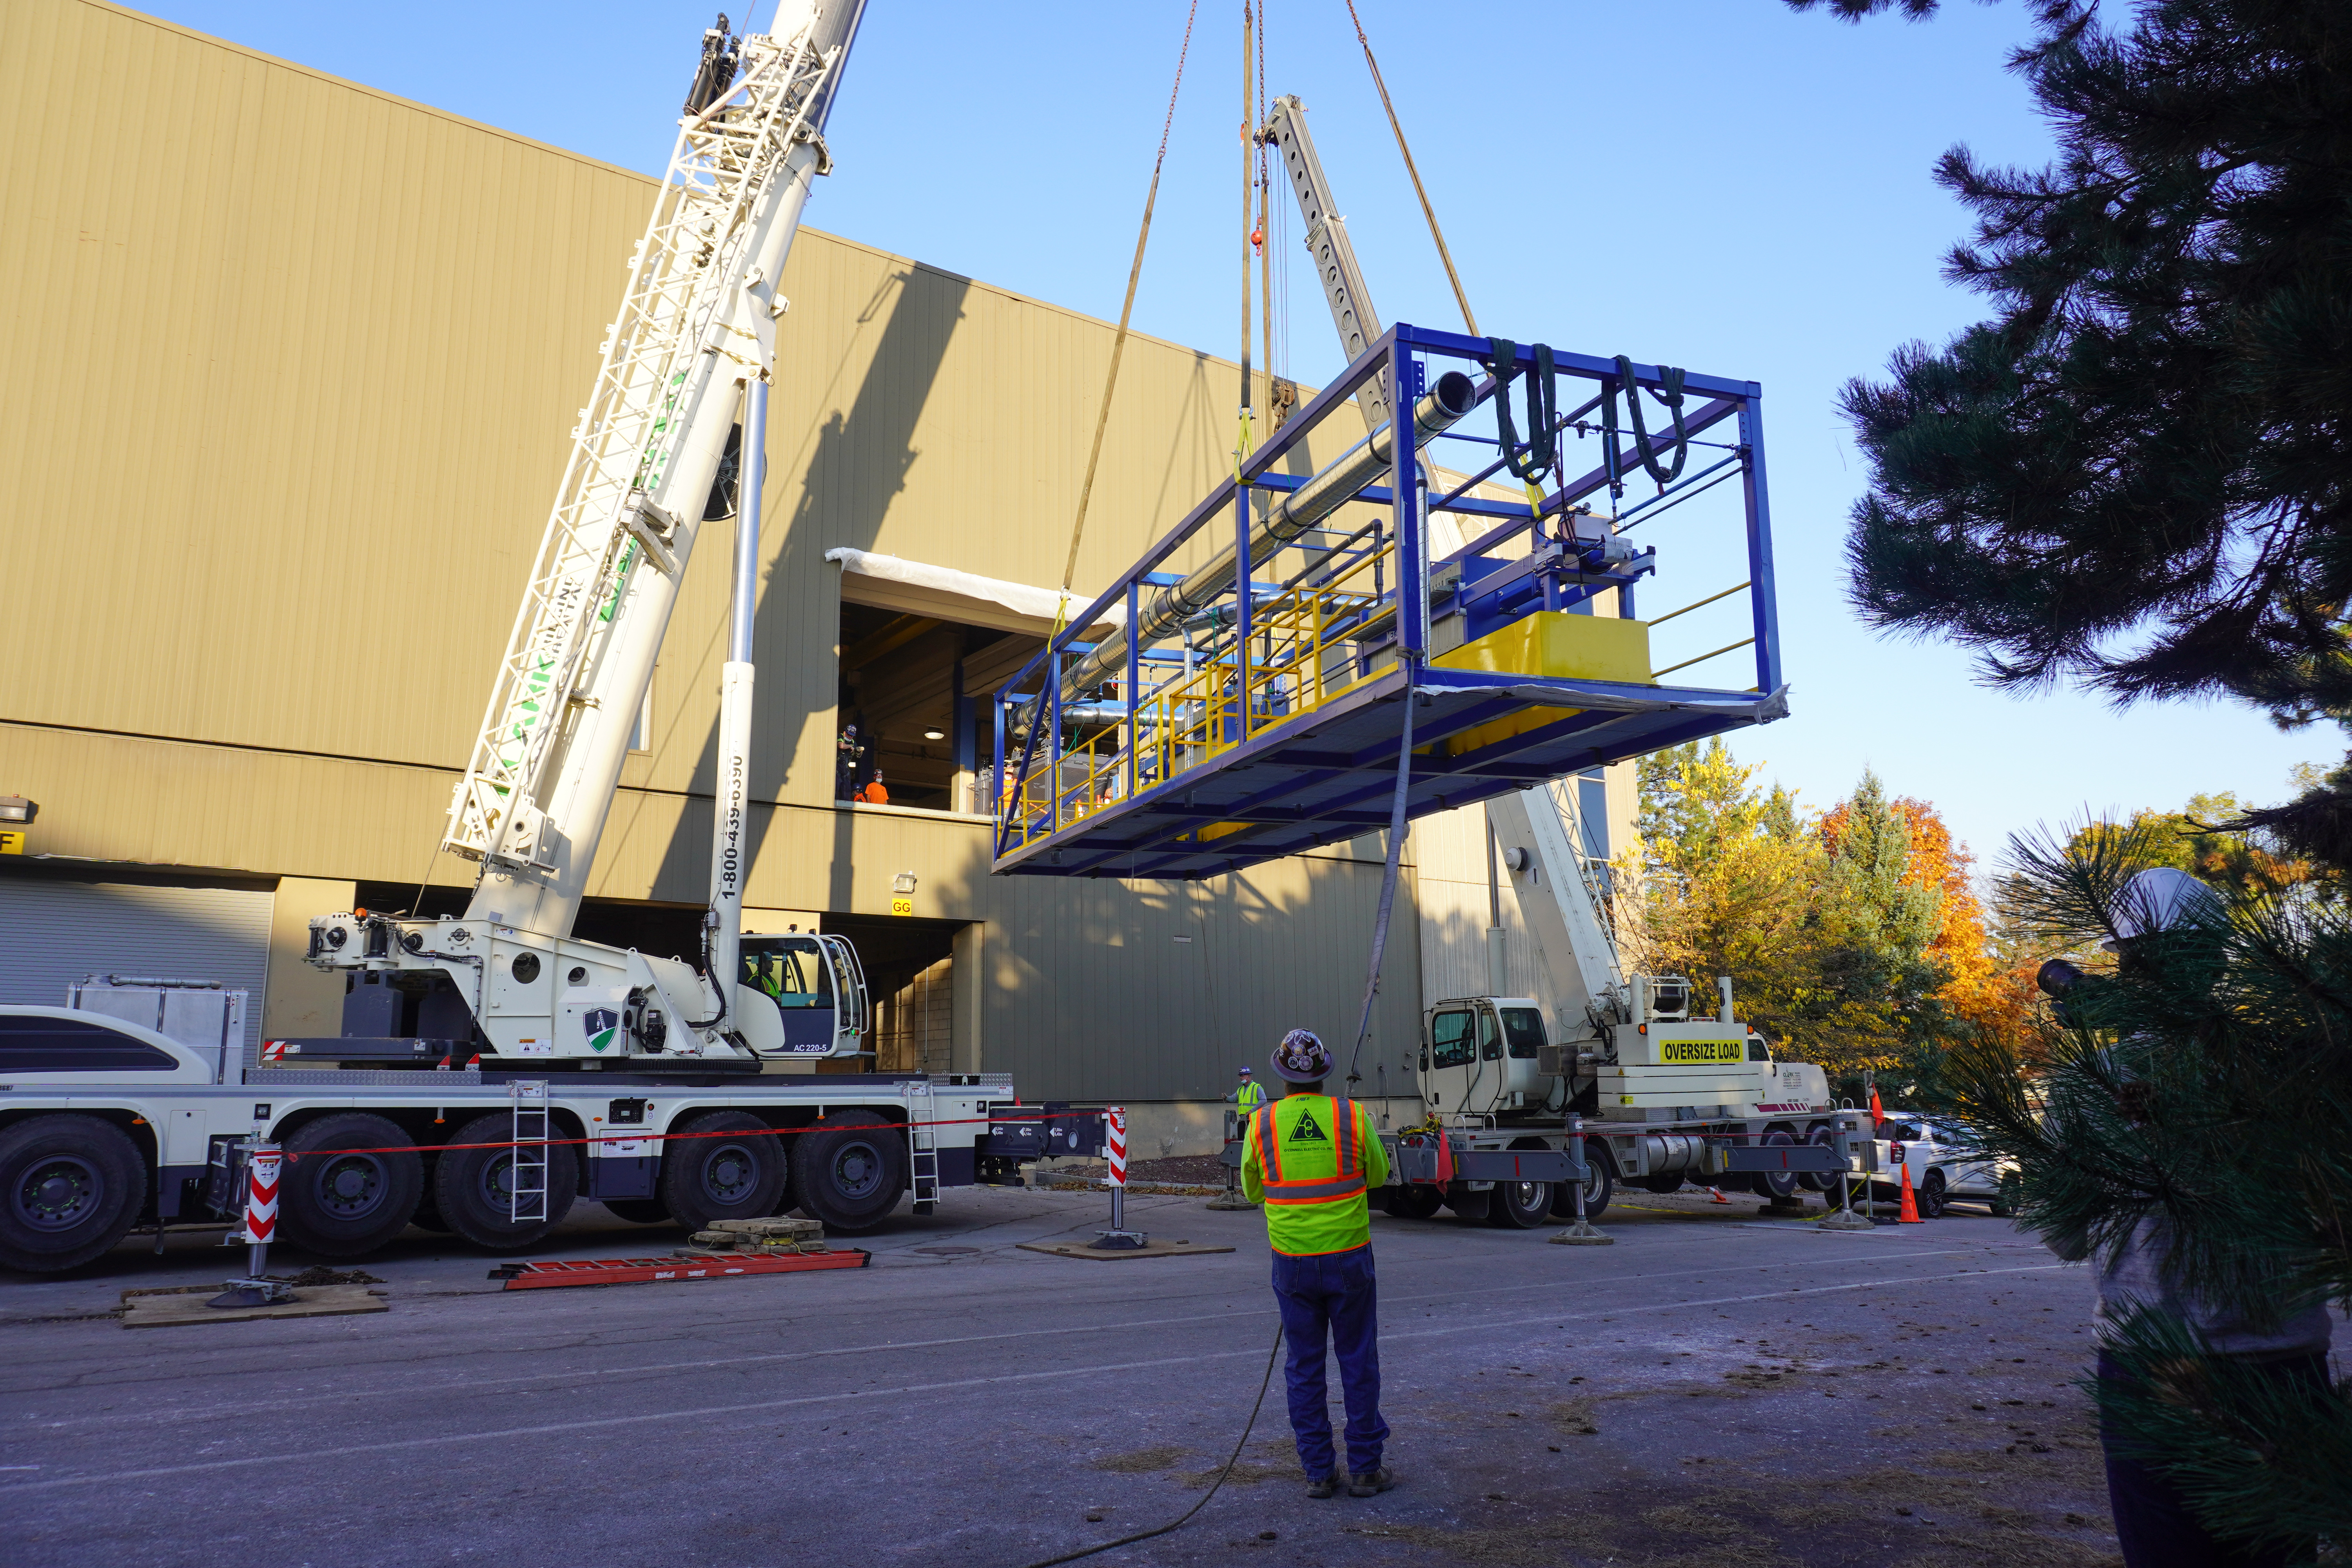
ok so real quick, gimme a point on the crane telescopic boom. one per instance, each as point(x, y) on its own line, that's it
point(685, 364)
point(697, 324)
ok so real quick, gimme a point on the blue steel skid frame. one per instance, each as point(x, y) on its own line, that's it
point(1328, 773)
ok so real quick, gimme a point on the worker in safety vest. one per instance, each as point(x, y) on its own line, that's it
point(1248, 1096)
point(1311, 1159)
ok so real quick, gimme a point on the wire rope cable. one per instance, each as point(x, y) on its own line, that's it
point(1127, 310)
point(1427, 210)
point(1233, 1458)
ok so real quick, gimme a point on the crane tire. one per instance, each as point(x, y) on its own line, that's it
point(69, 1187)
point(1468, 1204)
point(1520, 1205)
point(1817, 1180)
point(1597, 1190)
point(729, 1165)
point(1409, 1201)
point(346, 1185)
point(849, 1170)
point(1777, 1185)
point(470, 1186)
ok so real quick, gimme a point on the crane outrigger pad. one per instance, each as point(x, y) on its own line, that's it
point(1518, 656)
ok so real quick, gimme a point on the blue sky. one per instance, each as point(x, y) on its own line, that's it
point(1722, 184)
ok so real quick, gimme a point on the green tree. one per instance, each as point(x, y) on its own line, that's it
point(2199, 1079)
point(2137, 475)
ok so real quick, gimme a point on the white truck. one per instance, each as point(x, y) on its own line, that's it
point(1662, 1093)
point(670, 1088)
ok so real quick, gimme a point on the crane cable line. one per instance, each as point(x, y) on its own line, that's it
point(1427, 211)
point(1127, 310)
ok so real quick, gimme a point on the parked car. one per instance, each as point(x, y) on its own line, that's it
point(1938, 1153)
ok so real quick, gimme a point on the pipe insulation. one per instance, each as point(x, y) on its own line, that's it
point(1293, 515)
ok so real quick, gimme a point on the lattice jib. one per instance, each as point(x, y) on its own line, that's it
point(628, 434)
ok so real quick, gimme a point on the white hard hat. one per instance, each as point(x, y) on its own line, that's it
point(2157, 898)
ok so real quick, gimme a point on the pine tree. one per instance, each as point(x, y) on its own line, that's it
point(2138, 475)
point(2201, 1080)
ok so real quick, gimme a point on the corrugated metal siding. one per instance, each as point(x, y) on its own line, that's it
point(54, 932)
point(287, 369)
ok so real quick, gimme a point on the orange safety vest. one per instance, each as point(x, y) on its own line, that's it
point(1316, 1195)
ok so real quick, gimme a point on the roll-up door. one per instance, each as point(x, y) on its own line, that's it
point(53, 931)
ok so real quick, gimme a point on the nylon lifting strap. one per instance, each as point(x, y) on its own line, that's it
point(1347, 1183)
point(1531, 463)
point(1670, 393)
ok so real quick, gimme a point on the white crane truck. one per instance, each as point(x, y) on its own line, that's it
point(667, 1085)
point(1674, 1096)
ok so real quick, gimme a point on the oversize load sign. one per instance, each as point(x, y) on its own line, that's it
point(1702, 1051)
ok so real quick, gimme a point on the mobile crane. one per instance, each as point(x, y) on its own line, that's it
point(1673, 1092)
point(492, 1068)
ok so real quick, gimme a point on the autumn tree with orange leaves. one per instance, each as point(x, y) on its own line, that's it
point(1855, 940)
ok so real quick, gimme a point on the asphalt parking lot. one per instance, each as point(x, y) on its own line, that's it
point(1716, 1389)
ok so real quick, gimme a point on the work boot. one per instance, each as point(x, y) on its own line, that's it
point(1372, 1485)
point(1328, 1486)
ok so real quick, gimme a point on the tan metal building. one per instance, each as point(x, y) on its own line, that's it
point(285, 381)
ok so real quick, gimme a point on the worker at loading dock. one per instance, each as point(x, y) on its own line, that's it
point(1312, 1159)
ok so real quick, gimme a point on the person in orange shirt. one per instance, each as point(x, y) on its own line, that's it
point(874, 793)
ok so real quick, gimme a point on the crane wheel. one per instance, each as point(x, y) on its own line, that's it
point(1518, 1205)
point(1778, 1185)
point(70, 1188)
point(1408, 1201)
point(347, 1186)
point(729, 1165)
point(1468, 1204)
point(1599, 1188)
point(473, 1188)
point(1817, 1180)
point(849, 1170)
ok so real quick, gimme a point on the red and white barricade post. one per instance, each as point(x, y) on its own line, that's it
point(1115, 1155)
point(265, 1165)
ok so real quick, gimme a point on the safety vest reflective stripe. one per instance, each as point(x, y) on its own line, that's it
point(1314, 1192)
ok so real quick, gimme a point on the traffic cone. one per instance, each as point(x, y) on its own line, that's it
point(1909, 1213)
point(1718, 1196)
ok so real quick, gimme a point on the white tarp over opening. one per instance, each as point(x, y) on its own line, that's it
point(915, 588)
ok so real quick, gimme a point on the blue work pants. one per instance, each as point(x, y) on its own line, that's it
point(1332, 1296)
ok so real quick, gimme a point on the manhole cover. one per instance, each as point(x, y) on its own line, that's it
point(948, 1251)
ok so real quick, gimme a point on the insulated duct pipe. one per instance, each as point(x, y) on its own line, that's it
point(1293, 515)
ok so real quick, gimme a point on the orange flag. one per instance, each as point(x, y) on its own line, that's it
point(1877, 1114)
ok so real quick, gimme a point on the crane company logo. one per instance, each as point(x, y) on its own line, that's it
point(599, 1024)
point(1700, 1051)
point(1307, 1131)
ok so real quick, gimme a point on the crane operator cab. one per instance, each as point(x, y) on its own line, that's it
point(818, 987)
point(1480, 1056)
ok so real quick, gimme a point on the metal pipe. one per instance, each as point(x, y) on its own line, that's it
point(752, 475)
point(1452, 398)
point(730, 849)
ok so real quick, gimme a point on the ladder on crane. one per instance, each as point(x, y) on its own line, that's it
point(923, 1146)
point(527, 1169)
